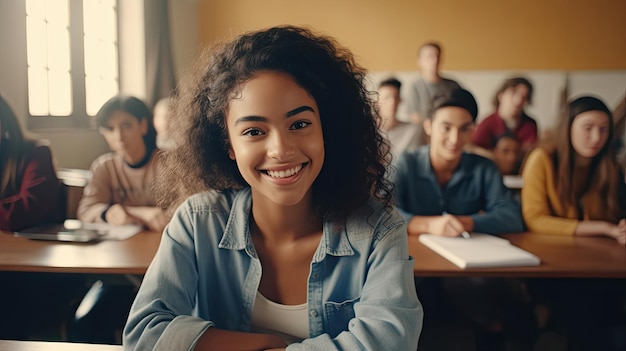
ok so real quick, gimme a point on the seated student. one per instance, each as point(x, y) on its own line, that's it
point(574, 187)
point(121, 191)
point(509, 101)
point(288, 252)
point(121, 187)
point(162, 111)
point(442, 190)
point(401, 135)
point(30, 192)
point(506, 153)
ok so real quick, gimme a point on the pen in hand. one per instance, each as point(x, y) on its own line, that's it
point(464, 233)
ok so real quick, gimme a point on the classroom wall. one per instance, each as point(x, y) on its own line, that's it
point(476, 35)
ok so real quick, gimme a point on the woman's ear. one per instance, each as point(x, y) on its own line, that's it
point(428, 126)
point(231, 153)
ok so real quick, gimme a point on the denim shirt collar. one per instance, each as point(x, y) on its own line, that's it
point(237, 235)
point(425, 169)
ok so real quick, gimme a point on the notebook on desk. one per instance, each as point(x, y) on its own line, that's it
point(479, 251)
point(76, 231)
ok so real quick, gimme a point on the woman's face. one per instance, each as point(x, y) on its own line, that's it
point(589, 133)
point(513, 100)
point(275, 136)
point(124, 134)
point(388, 102)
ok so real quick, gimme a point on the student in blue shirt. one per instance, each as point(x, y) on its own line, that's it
point(286, 251)
point(442, 190)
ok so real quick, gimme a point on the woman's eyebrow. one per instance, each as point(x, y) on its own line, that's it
point(291, 113)
point(250, 119)
point(297, 110)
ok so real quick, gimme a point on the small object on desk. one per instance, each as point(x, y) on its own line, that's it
point(479, 251)
point(58, 232)
point(76, 231)
point(466, 235)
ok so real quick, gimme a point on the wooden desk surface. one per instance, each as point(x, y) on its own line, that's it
point(13, 345)
point(561, 257)
point(131, 256)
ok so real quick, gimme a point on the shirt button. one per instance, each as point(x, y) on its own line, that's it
point(315, 276)
point(313, 313)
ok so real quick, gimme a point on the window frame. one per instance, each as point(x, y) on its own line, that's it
point(78, 118)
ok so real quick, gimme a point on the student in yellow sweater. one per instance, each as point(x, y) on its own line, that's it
point(575, 187)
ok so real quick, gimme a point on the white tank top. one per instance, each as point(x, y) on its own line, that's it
point(290, 322)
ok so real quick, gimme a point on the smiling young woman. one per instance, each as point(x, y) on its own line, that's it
point(285, 251)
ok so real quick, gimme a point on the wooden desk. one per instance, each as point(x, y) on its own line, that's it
point(131, 256)
point(561, 257)
point(13, 345)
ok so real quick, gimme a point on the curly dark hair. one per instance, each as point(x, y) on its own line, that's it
point(356, 155)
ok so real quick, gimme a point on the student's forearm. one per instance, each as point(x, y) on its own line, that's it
point(419, 224)
point(226, 340)
point(593, 228)
point(138, 211)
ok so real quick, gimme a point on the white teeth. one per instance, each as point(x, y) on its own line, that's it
point(285, 173)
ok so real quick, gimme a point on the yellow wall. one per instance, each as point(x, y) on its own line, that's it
point(476, 34)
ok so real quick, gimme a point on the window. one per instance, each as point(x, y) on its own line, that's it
point(73, 61)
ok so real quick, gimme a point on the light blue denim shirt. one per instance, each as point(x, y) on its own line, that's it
point(476, 189)
point(361, 294)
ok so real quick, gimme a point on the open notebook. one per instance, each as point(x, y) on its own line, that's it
point(76, 231)
point(479, 251)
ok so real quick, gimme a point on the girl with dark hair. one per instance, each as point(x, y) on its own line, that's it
point(509, 101)
point(286, 251)
point(121, 187)
point(30, 192)
point(575, 186)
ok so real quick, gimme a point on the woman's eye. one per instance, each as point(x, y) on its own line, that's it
point(300, 124)
point(252, 132)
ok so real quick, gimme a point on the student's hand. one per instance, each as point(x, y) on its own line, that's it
point(117, 215)
point(446, 225)
point(152, 218)
point(621, 232)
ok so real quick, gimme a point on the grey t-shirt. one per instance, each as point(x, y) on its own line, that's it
point(422, 94)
